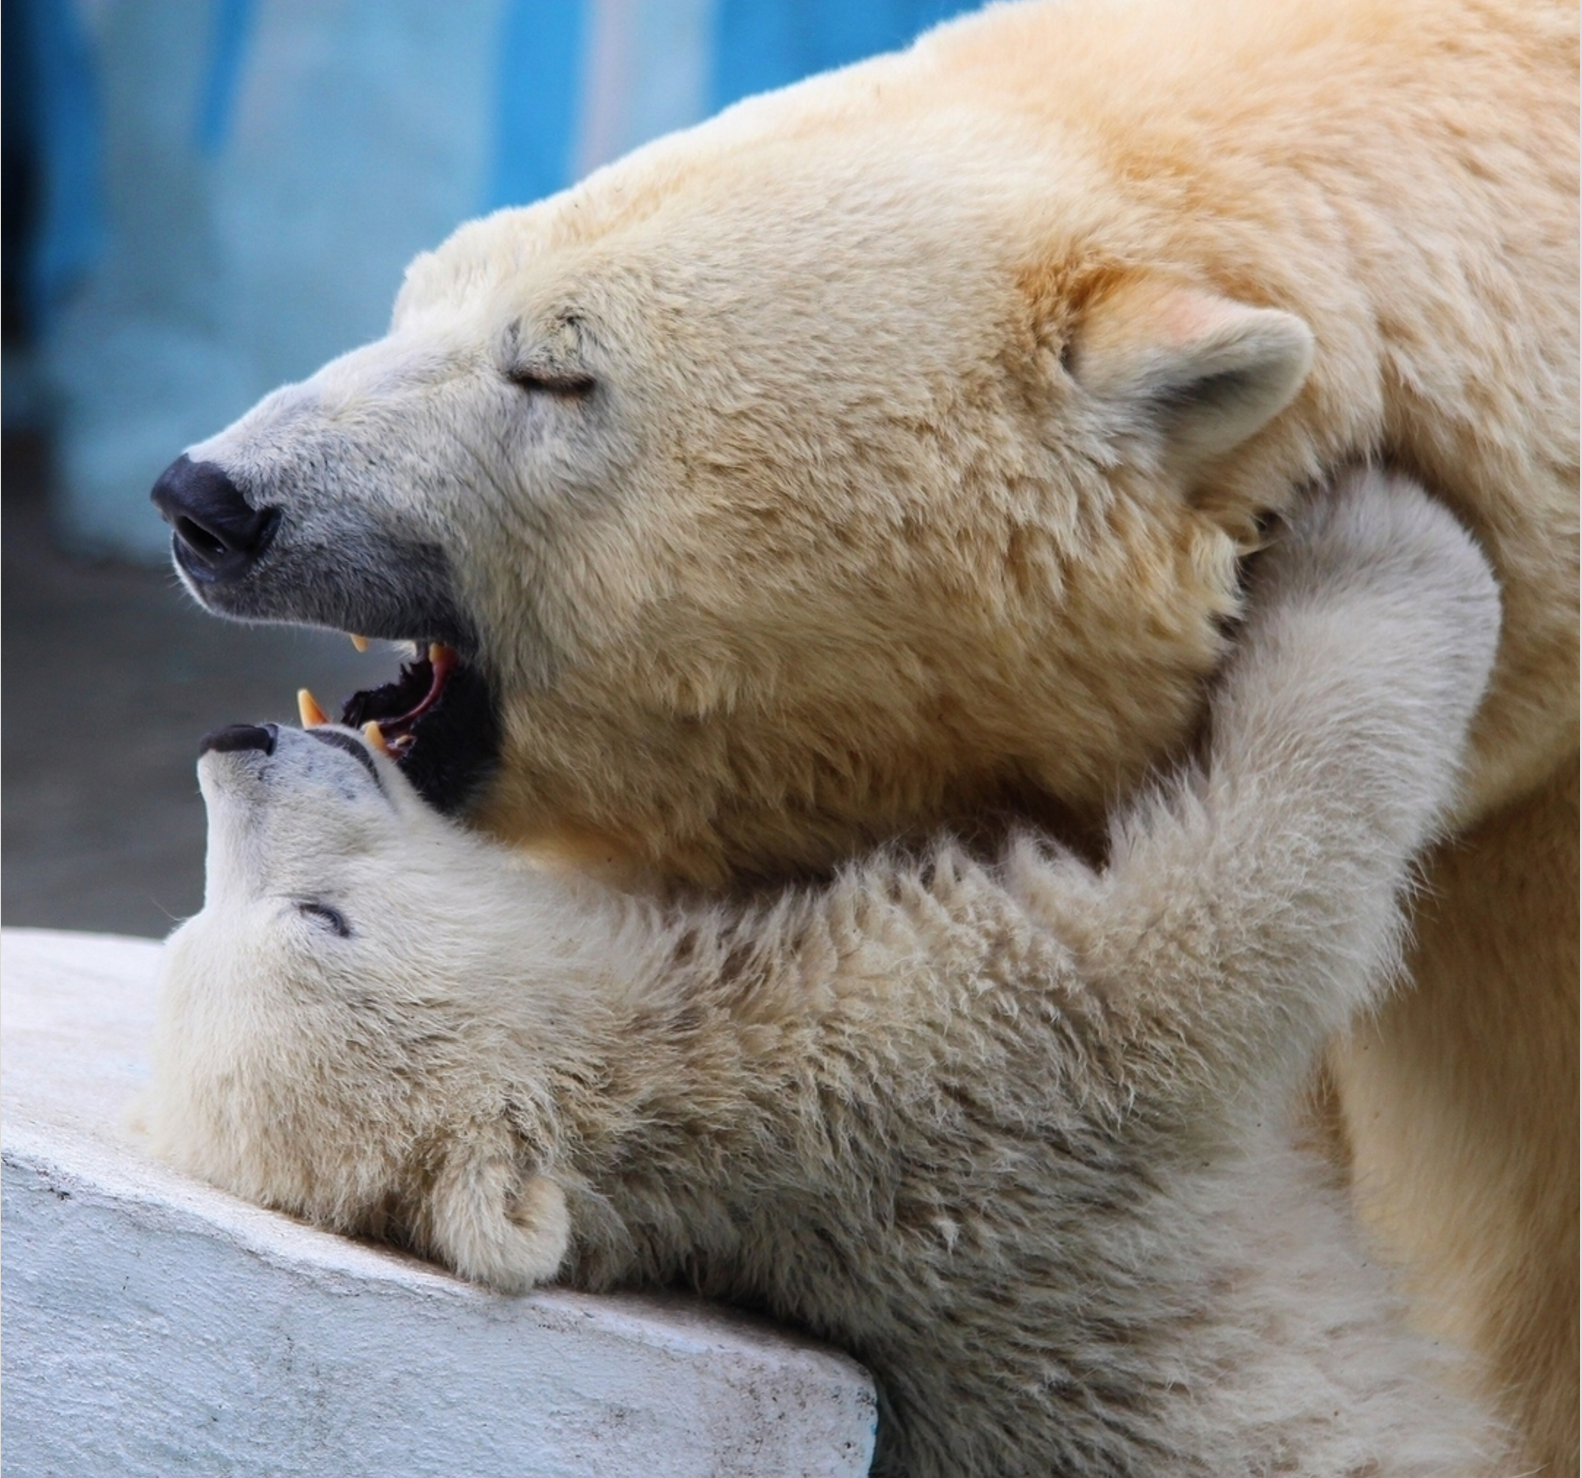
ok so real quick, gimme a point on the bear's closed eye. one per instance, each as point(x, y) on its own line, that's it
point(570, 383)
point(331, 918)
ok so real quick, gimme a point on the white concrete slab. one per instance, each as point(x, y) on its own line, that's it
point(154, 1326)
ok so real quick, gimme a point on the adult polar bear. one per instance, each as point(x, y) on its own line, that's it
point(879, 454)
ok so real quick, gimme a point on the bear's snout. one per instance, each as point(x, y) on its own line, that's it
point(217, 535)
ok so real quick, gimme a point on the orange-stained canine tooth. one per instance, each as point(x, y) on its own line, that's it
point(360, 642)
point(434, 650)
point(375, 737)
point(308, 707)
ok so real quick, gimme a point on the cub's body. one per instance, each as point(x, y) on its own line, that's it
point(1017, 1136)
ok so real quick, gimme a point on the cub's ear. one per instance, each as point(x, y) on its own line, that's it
point(1187, 373)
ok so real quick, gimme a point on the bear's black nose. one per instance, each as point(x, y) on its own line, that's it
point(240, 736)
point(217, 535)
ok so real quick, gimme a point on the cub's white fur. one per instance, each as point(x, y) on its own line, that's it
point(1014, 1134)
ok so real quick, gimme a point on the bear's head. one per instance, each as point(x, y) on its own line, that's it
point(773, 492)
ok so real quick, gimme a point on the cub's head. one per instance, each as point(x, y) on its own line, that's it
point(319, 845)
point(811, 476)
point(339, 914)
point(339, 1028)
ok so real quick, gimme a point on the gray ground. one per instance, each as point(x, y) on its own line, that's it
point(111, 674)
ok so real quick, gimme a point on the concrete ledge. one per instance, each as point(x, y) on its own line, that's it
point(155, 1326)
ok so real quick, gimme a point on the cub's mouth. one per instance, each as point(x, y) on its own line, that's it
point(438, 720)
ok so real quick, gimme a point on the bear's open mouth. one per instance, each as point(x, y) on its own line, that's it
point(438, 720)
point(389, 715)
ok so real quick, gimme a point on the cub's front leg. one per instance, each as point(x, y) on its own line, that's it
point(1252, 908)
point(1249, 909)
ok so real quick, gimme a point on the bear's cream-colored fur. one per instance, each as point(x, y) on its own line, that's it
point(1015, 1135)
point(879, 455)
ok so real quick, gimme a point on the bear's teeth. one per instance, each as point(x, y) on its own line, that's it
point(375, 737)
point(308, 708)
point(360, 642)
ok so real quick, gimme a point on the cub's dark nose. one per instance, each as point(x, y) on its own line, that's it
point(217, 535)
point(240, 736)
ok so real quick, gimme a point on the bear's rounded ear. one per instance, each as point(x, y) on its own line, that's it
point(1188, 373)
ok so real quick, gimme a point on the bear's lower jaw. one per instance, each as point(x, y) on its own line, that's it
point(439, 720)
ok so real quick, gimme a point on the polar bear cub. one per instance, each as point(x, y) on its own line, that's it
point(1012, 1133)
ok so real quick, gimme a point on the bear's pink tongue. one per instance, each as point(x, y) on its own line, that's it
point(441, 662)
point(388, 715)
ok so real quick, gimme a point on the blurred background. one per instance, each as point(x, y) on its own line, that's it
point(206, 198)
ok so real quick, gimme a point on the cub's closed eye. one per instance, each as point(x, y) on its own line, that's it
point(569, 383)
point(321, 913)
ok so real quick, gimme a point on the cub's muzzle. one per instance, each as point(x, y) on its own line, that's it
point(234, 737)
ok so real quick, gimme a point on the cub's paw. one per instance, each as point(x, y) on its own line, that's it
point(1405, 586)
point(1379, 532)
point(492, 1223)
